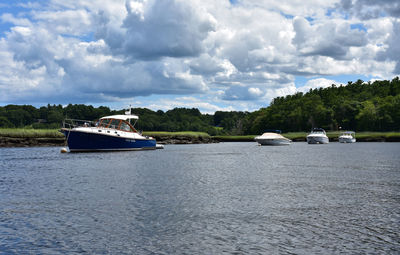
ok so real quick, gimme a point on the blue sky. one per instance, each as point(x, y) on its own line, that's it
point(212, 55)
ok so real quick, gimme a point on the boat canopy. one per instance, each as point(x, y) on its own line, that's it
point(348, 132)
point(121, 117)
point(272, 131)
point(318, 130)
point(270, 135)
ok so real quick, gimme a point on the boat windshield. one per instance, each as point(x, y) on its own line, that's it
point(114, 123)
point(318, 131)
point(104, 123)
point(125, 127)
point(117, 124)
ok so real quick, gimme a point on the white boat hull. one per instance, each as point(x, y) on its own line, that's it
point(317, 139)
point(273, 141)
point(347, 137)
point(270, 138)
point(347, 140)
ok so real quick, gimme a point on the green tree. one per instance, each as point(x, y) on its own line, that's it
point(367, 117)
point(5, 123)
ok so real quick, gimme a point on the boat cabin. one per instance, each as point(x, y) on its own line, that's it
point(348, 133)
point(318, 130)
point(277, 131)
point(116, 122)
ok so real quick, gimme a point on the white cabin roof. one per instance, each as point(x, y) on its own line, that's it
point(348, 132)
point(121, 117)
point(269, 135)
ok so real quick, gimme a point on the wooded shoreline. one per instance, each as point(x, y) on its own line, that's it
point(360, 106)
point(23, 139)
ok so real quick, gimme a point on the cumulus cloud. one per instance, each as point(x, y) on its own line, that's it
point(156, 29)
point(227, 56)
point(9, 18)
point(317, 83)
point(66, 68)
point(392, 52)
point(331, 39)
point(166, 104)
point(367, 9)
point(240, 92)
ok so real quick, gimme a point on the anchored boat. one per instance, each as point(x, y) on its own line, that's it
point(272, 137)
point(109, 133)
point(347, 137)
point(317, 136)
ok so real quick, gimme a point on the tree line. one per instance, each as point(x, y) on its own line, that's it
point(360, 106)
point(357, 106)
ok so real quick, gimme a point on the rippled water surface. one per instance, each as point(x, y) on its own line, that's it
point(227, 198)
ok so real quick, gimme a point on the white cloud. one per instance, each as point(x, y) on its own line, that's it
point(367, 9)
point(311, 8)
point(392, 52)
point(317, 83)
point(331, 39)
point(227, 56)
point(185, 102)
point(255, 91)
point(9, 18)
point(159, 29)
point(71, 22)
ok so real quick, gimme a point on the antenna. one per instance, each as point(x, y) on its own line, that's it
point(129, 112)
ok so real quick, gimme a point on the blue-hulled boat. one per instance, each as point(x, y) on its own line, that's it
point(109, 133)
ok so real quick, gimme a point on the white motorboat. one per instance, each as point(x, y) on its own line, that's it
point(347, 137)
point(317, 136)
point(272, 138)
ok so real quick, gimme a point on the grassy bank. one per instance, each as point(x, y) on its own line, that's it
point(30, 133)
point(11, 137)
point(54, 133)
point(174, 134)
point(333, 136)
point(386, 136)
point(180, 137)
point(197, 137)
point(234, 138)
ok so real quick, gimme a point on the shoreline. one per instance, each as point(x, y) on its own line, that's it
point(333, 140)
point(7, 142)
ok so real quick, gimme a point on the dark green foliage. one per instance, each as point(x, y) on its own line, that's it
point(5, 123)
point(177, 119)
point(47, 117)
point(231, 122)
point(357, 106)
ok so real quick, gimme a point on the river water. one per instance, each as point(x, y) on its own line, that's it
point(226, 198)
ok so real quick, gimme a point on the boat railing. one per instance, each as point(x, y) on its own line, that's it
point(277, 131)
point(348, 133)
point(74, 123)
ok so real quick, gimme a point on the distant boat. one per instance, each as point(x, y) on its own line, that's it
point(317, 136)
point(272, 137)
point(109, 133)
point(347, 137)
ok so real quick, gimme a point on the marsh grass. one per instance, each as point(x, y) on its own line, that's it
point(238, 138)
point(302, 135)
point(54, 133)
point(377, 134)
point(30, 133)
point(172, 134)
point(292, 135)
point(295, 135)
point(336, 134)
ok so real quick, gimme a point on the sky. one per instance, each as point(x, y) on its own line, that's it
point(212, 55)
